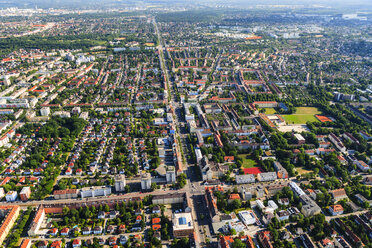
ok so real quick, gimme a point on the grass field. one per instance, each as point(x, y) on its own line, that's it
point(247, 162)
point(307, 111)
point(270, 111)
point(302, 171)
point(302, 115)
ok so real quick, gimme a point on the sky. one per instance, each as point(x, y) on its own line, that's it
point(85, 3)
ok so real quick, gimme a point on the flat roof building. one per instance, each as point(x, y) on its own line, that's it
point(183, 225)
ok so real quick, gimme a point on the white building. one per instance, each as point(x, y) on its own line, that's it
point(120, 183)
point(146, 181)
point(248, 217)
point(198, 155)
point(84, 115)
point(63, 114)
point(267, 176)
point(160, 121)
point(296, 189)
point(11, 196)
point(272, 204)
point(337, 142)
point(183, 225)
point(95, 191)
point(76, 110)
point(45, 111)
point(260, 204)
point(171, 174)
point(248, 178)
point(2, 193)
point(362, 165)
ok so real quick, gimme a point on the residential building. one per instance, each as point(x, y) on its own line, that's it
point(120, 183)
point(242, 179)
point(145, 181)
point(9, 215)
point(11, 196)
point(45, 111)
point(170, 174)
point(25, 193)
point(337, 142)
point(306, 240)
point(264, 238)
point(36, 221)
point(26, 243)
point(336, 209)
point(338, 194)
point(183, 225)
point(267, 176)
point(309, 207)
point(65, 194)
point(95, 191)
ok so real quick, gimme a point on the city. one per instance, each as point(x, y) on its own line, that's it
point(171, 124)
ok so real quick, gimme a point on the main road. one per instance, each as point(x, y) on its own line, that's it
point(190, 188)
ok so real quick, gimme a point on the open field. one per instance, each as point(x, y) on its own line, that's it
point(296, 128)
point(302, 171)
point(299, 119)
point(307, 111)
point(270, 111)
point(247, 162)
point(302, 115)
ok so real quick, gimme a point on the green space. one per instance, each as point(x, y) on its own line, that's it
point(307, 111)
point(212, 117)
point(302, 170)
point(302, 115)
point(298, 119)
point(247, 162)
point(270, 111)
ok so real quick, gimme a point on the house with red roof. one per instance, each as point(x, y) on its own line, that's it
point(56, 244)
point(228, 159)
point(336, 209)
point(76, 243)
point(68, 171)
point(53, 231)
point(113, 240)
point(65, 231)
point(233, 197)
point(156, 227)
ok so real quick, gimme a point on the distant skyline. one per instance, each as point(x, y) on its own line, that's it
point(244, 3)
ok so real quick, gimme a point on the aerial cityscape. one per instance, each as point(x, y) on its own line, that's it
point(175, 124)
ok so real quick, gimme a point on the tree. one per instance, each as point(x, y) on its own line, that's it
point(154, 186)
point(127, 188)
point(65, 210)
point(238, 244)
point(236, 204)
point(181, 180)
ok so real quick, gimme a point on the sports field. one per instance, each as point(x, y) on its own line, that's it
point(302, 115)
point(247, 162)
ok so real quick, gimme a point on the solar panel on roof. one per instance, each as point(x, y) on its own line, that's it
point(182, 221)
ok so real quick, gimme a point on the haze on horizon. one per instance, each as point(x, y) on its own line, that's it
point(244, 3)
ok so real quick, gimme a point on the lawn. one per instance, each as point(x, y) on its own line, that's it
point(302, 171)
point(247, 162)
point(302, 115)
point(307, 111)
point(270, 111)
point(299, 119)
